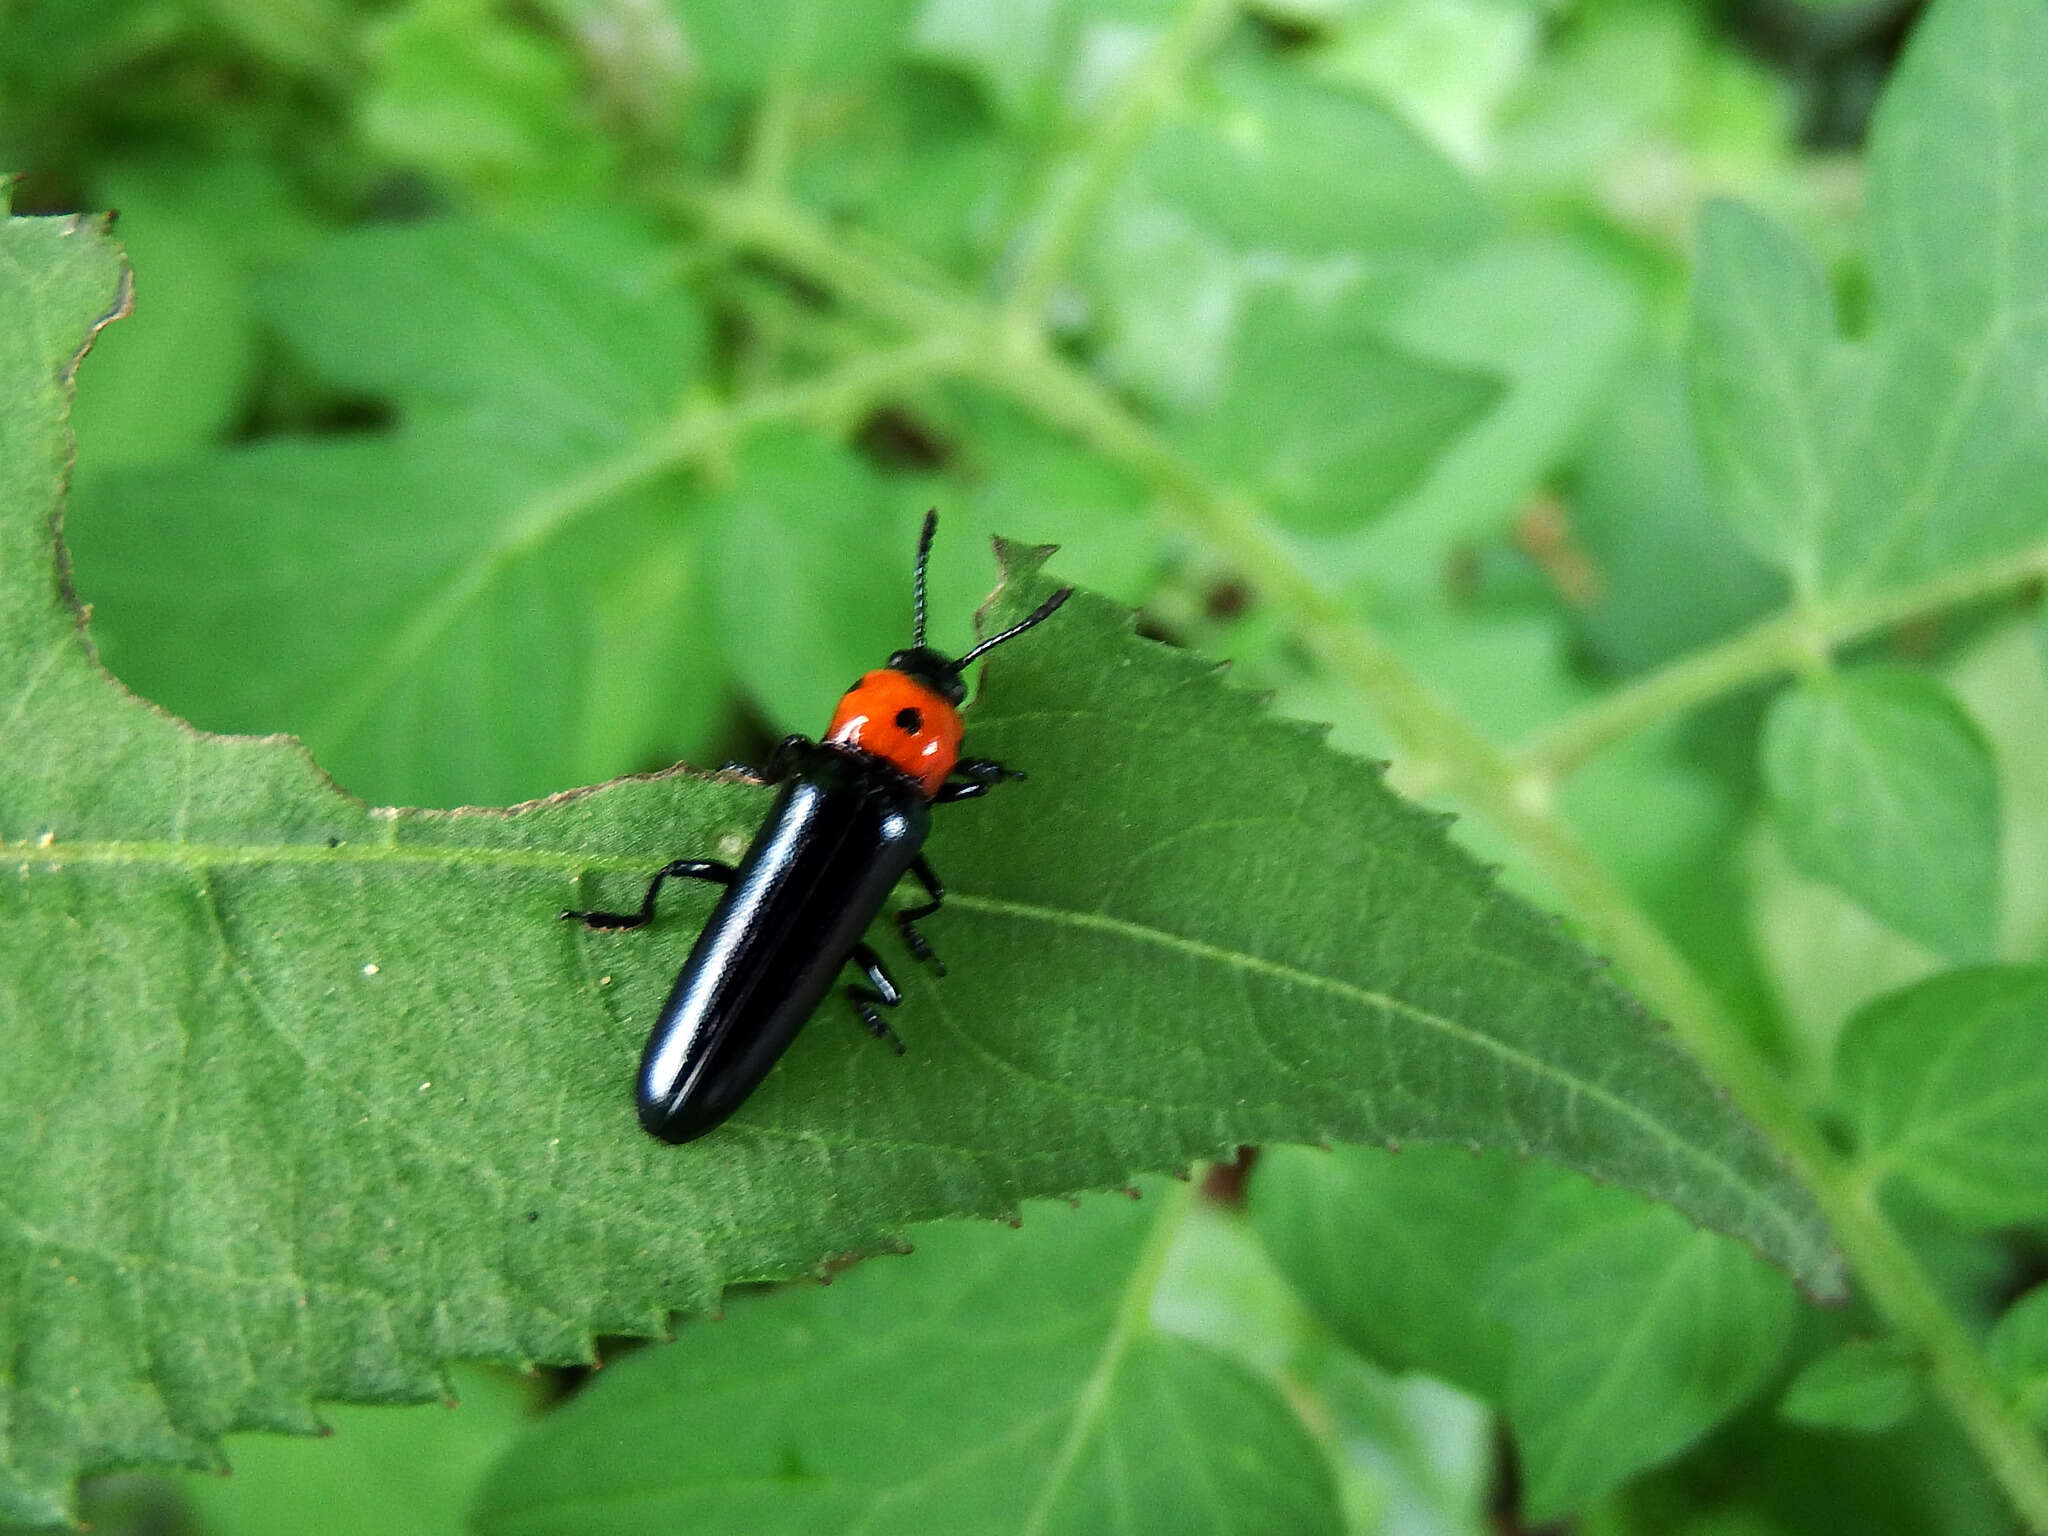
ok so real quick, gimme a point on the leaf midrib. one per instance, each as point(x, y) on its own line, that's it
point(1365, 996)
point(200, 857)
point(197, 857)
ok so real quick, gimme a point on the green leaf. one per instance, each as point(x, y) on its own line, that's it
point(396, 1471)
point(461, 89)
point(1924, 446)
point(306, 1099)
point(1864, 1386)
point(1611, 1333)
point(1264, 181)
point(746, 42)
point(1418, 1455)
point(2001, 679)
point(2018, 1352)
point(1552, 326)
point(1769, 380)
point(173, 379)
point(1641, 510)
point(1395, 1253)
point(990, 1380)
point(1947, 1085)
point(1269, 160)
point(1701, 1326)
point(1324, 421)
point(1448, 68)
point(810, 571)
point(1040, 64)
point(917, 163)
point(434, 607)
point(1883, 787)
point(1034, 483)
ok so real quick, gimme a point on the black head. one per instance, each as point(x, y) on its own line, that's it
point(936, 672)
point(947, 678)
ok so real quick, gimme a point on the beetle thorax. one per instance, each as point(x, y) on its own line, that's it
point(896, 718)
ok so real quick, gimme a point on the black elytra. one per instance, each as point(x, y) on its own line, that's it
point(849, 821)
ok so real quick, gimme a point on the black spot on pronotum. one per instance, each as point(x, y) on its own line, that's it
point(911, 720)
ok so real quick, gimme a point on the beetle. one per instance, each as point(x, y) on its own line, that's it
point(848, 822)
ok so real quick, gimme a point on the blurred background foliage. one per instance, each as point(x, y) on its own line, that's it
point(469, 427)
point(435, 255)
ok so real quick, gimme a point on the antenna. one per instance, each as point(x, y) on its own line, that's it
point(924, 553)
point(1038, 615)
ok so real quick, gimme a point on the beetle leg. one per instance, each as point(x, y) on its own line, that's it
point(682, 869)
point(782, 761)
point(885, 992)
point(908, 918)
point(980, 775)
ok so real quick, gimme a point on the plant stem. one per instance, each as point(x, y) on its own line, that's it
point(1079, 187)
point(1783, 643)
point(842, 261)
point(1492, 781)
point(772, 144)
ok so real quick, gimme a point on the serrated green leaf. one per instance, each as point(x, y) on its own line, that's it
point(1925, 447)
point(1884, 788)
point(1395, 1253)
point(2018, 1352)
point(306, 1099)
point(1947, 1085)
point(989, 1380)
point(430, 605)
point(1702, 1326)
point(1865, 1386)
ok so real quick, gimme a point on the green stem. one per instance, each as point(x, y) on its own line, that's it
point(1787, 642)
point(772, 145)
point(843, 261)
point(1495, 784)
point(1079, 187)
